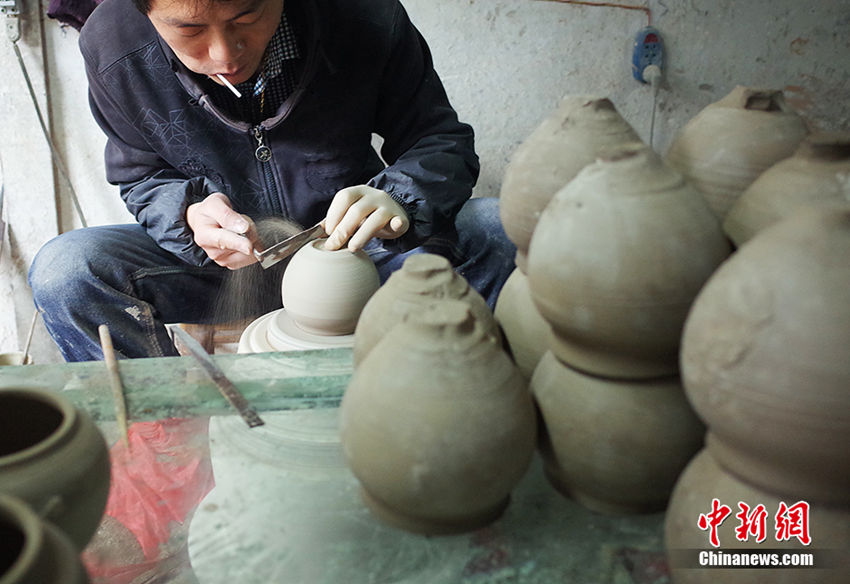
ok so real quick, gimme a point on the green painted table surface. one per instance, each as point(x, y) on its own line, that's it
point(200, 498)
point(165, 387)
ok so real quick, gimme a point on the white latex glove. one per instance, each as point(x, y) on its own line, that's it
point(227, 236)
point(359, 213)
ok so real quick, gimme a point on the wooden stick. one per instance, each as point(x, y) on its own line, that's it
point(115, 382)
point(29, 336)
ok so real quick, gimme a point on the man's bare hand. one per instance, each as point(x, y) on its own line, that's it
point(357, 214)
point(227, 236)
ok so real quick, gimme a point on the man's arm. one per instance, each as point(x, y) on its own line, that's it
point(157, 194)
point(431, 155)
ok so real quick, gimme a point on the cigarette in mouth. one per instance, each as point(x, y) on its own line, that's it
point(228, 84)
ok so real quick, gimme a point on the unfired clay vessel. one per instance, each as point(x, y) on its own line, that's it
point(565, 142)
point(615, 446)
point(817, 174)
point(422, 279)
point(33, 551)
point(704, 480)
point(526, 333)
point(727, 145)
point(617, 258)
point(53, 457)
point(437, 423)
point(766, 358)
point(324, 291)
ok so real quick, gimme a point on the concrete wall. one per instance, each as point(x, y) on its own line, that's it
point(505, 64)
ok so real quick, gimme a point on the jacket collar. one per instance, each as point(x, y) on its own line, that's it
point(306, 17)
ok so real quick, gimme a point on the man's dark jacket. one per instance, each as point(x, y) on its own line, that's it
point(367, 69)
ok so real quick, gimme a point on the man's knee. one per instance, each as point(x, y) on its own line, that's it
point(479, 213)
point(479, 220)
point(60, 263)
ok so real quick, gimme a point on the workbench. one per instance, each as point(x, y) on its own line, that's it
point(311, 529)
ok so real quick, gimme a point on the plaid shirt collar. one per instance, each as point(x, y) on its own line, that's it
point(282, 46)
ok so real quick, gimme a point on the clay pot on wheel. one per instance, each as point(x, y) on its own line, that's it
point(817, 175)
point(422, 279)
point(54, 458)
point(437, 423)
point(727, 145)
point(324, 291)
point(616, 260)
point(765, 358)
point(704, 480)
point(615, 446)
point(33, 551)
point(564, 143)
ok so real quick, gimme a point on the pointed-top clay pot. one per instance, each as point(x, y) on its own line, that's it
point(422, 279)
point(565, 142)
point(526, 332)
point(616, 446)
point(727, 145)
point(616, 261)
point(817, 174)
point(766, 358)
point(437, 423)
point(324, 291)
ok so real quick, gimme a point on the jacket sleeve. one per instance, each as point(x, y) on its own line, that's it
point(154, 192)
point(432, 165)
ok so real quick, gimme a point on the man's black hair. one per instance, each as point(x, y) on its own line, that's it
point(144, 6)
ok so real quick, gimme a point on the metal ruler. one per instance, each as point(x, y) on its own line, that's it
point(225, 386)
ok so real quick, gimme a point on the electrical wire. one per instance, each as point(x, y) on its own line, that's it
point(13, 32)
point(644, 9)
point(653, 75)
point(57, 158)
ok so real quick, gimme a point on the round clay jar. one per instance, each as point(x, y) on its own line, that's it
point(33, 551)
point(54, 458)
point(324, 291)
point(565, 142)
point(526, 333)
point(616, 260)
point(818, 174)
point(728, 144)
point(615, 446)
point(438, 424)
point(766, 358)
point(421, 279)
point(705, 480)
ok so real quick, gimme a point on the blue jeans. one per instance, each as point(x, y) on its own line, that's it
point(118, 275)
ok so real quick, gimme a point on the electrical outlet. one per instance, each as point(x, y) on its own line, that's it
point(11, 10)
point(648, 50)
point(9, 7)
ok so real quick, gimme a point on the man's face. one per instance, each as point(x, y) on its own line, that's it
point(218, 37)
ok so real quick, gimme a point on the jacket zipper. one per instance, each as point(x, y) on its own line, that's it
point(264, 155)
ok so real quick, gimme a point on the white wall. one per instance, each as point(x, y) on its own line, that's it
point(28, 184)
point(505, 63)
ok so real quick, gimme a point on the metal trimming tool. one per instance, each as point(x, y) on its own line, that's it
point(289, 246)
point(225, 386)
